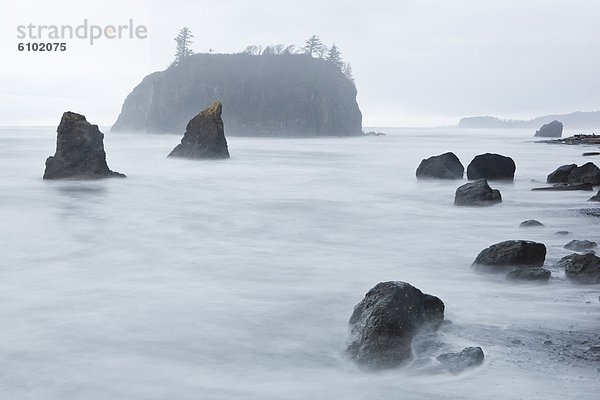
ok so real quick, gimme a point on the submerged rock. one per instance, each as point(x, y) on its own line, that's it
point(511, 253)
point(588, 173)
point(591, 153)
point(581, 268)
point(580, 245)
point(596, 197)
point(477, 193)
point(528, 274)
point(530, 223)
point(204, 136)
point(444, 166)
point(563, 187)
point(79, 151)
point(491, 166)
point(385, 322)
point(469, 357)
point(561, 174)
point(551, 129)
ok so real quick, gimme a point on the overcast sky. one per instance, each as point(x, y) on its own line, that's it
point(416, 62)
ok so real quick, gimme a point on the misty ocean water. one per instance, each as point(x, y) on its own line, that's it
point(235, 279)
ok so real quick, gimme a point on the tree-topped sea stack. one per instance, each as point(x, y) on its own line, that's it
point(79, 151)
point(204, 136)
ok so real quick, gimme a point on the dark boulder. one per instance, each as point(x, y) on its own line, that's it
point(444, 166)
point(591, 153)
point(385, 322)
point(596, 197)
point(588, 173)
point(551, 129)
point(528, 274)
point(477, 193)
point(79, 151)
point(530, 223)
point(204, 136)
point(562, 233)
point(561, 174)
point(581, 268)
point(511, 253)
point(456, 363)
point(491, 166)
point(581, 245)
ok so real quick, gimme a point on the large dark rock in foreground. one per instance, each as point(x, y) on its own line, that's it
point(551, 129)
point(79, 151)
point(283, 95)
point(561, 174)
point(581, 268)
point(385, 322)
point(444, 166)
point(588, 173)
point(204, 136)
point(511, 253)
point(477, 193)
point(491, 166)
point(468, 358)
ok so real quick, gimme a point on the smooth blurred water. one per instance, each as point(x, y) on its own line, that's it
point(235, 279)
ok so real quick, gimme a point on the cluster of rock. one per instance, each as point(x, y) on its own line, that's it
point(480, 169)
point(387, 320)
point(572, 177)
point(517, 259)
point(80, 145)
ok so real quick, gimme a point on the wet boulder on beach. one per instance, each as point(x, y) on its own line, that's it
point(527, 274)
point(581, 268)
point(588, 173)
point(561, 174)
point(204, 136)
point(477, 193)
point(443, 166)
point(456, 363)
point(492, 167)
point(384, 324)
point(530, 223)
point(501, 256)
point(581, 245)
point(79, 151)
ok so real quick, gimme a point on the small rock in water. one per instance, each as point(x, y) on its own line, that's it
point(548, 343)
point(591, 153)
point(511, 253)
point(491, 166)
point(562, 233)
point(204, 136)
point(528, 274)
point(456, 363)
point(79, 151)
point(581, 268)
point(596, 197)
point(444, 166)
point(384, 324)
point(580, 245)
point(530, 223)
point(477, 193)
point(516, 341)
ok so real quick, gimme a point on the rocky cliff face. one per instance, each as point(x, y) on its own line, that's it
point(283, 95)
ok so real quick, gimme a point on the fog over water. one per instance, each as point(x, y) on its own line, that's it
point(236, 279)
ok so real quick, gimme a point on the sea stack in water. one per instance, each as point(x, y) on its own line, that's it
point(79, 151)
point(444, 166)
point(385, 322)
point(477, 193)
point(491, 166)
point(204, 136)
point(551, 129)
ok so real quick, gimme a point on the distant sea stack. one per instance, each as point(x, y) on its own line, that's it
point(79, 151)
point(551, 129)
point(265, 95)
point(204, 136)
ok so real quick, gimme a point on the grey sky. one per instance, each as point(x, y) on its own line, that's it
point(416, 62)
